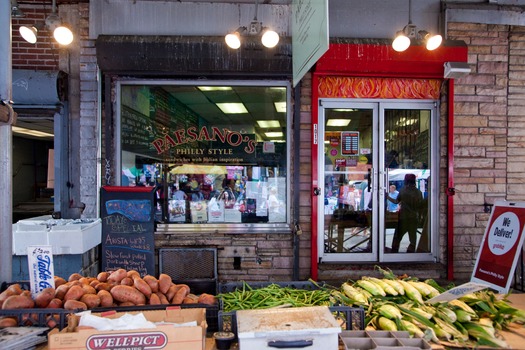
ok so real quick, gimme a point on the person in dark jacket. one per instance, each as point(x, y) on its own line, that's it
point(410, 200)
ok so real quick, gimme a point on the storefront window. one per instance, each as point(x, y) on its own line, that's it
point(214, 153)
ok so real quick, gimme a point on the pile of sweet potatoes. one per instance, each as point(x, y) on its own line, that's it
point(108, 289)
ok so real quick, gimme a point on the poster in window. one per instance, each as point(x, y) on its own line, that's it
point(350, 143)
point(177, 210)
point(199, 212)
point(215, 210)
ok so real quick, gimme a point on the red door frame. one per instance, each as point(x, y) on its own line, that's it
point(378, 59)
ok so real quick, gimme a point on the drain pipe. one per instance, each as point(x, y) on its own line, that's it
point(296, 232)
point(450, 183)
point(7, 118)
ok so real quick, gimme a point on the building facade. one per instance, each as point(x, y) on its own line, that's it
point(475, 150)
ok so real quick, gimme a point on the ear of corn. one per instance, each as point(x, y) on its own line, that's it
point(484, 335)
point(412, 292)
point(421, 287)
point(389, 311)
point(385, 286)
point(464, 306)
point(386, 324)
point(450, 329)
point(371, 287)
point(354, 294)
point(422, 312)
point(412, 328)
point(446, 314)
point(396, 285)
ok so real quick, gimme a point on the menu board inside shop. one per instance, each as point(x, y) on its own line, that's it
point(128, 229)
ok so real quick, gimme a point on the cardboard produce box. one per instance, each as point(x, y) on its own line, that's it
point(164, 336)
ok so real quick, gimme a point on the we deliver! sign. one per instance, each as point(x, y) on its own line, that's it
point(501, 246)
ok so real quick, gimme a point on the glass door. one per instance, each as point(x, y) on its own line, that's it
point(375, 198)
point(347, 219)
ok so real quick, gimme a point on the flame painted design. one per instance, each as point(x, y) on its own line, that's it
point(400, 88)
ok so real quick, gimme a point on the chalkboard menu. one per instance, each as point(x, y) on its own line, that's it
point(128, 229)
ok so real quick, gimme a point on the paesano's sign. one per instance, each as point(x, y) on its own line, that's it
point(501, 246)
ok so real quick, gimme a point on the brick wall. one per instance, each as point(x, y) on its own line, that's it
point(44, 55)
point(489, 132)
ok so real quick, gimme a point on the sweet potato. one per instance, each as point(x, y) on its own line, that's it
point(91, 300)
point(153, 283)
point(163, 299)
point(172, 290)
point(117, 275)
point(103, 276)
point(182, 293)
point(88, 289)
point(127, 303)
point(123, 293)
point(43, 298)
point(59, 281)
point(154, 299)
point(61, 291)
point(18, 302)
point(106, 299)
point(132, 274)
point(74, 293)
point(6, 294)
point(165, 283)
point(55, 303)
point(15, 289)
point(127, 281)
point(74, 277)
point(142, 286)
point(207, 299)
point(103, 286)
point(191, 299)
point(8, 322)
point(74, 305)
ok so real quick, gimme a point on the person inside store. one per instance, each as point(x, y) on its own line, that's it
point(197, 195)
point(179, 194)
point(410, 200)
point(228, 193)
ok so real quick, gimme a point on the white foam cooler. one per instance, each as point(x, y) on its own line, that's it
point(312, 328)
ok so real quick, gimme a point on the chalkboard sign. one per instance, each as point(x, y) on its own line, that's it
point(127, 229)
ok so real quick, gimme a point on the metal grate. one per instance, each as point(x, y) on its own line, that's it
point(189, 263)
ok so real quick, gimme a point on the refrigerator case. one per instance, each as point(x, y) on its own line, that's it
point(312, 327)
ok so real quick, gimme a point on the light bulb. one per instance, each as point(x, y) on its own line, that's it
point(63, 35)
point(401, 42)
point(233, 40)
point(28, 33)
point(270, 39)
point(433, 42)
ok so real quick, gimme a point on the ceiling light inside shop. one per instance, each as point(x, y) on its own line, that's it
point(280, 107)
point(19, 130)
point(338, 122)
point(232, 108)
point(269, 123)
point(214, 88)
point(274, 134)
